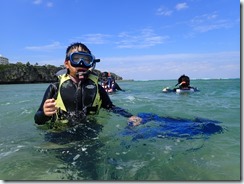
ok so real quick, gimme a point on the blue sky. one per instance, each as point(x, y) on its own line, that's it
point(136, 39)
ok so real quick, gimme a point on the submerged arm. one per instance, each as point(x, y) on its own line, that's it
point(107, 104)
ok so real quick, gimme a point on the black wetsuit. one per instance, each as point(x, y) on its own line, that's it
point(51, 92)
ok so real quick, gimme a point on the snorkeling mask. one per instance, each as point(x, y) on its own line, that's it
point(82, 59)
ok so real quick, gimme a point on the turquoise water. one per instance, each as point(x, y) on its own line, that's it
point(28, 152)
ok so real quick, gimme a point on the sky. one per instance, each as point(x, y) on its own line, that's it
point(135, 39)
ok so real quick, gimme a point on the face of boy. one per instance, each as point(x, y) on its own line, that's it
point(75, 72)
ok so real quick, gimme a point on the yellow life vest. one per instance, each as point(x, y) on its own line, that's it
point(89, 87)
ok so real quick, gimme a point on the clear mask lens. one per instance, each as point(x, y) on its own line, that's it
point(81, 59)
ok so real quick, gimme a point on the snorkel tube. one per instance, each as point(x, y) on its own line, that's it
point(90, 70)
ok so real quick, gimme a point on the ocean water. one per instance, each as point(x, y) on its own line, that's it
point(104, 153)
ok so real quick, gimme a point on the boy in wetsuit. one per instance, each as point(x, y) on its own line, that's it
point(77, 94)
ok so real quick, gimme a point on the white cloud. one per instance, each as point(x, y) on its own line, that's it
point(97, 38)
point(37, 2)
point(208, 22)
point(52, 46)
point(171, 66)
point(168, 66)
point(204, 18)
point(49, 4)
point(181, 6)
point(164, 11)
point(140, 39)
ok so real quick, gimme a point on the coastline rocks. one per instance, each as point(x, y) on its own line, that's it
point(25, 73)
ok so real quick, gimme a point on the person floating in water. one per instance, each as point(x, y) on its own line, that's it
point(183, 85)
point(77, 93)
point(109, 84)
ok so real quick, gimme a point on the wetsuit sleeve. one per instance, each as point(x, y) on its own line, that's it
point(40, 118)
point(107, 104)
point(117, 87)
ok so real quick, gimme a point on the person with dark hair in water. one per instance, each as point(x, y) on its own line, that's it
point(183, 82)
point(183, 86)
point(109, 84)
point(77, 94)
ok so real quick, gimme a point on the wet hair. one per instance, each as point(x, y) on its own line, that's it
point(184, 78)
point(74, 46)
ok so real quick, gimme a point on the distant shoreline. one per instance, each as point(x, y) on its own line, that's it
point(20, 73)
point(126, 80)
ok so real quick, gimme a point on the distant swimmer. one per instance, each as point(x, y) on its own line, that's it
point(109, 84)
point(183, 86)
